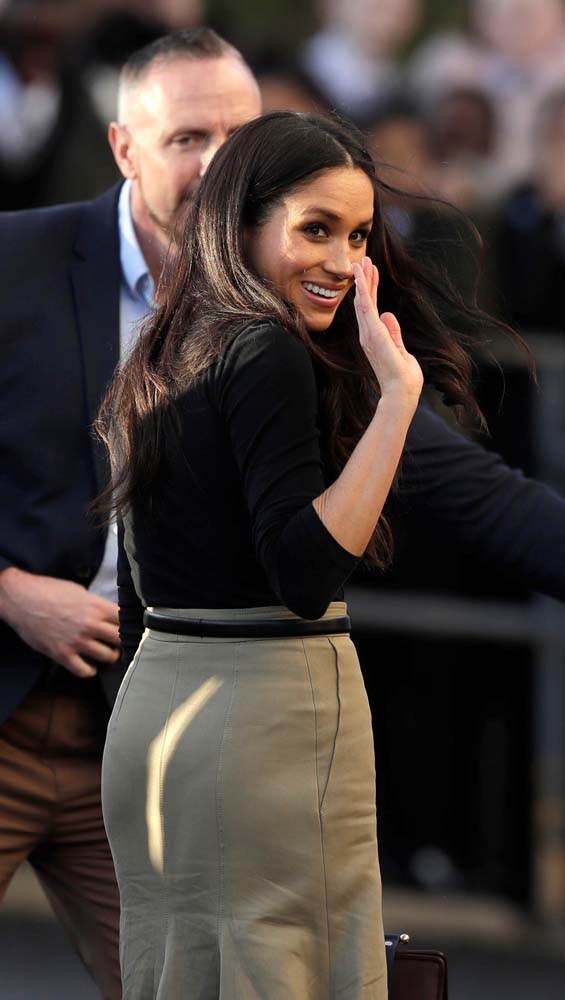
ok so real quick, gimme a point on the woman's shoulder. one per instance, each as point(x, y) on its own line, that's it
point(268, 345)
point(266, 335)
point(264, 357)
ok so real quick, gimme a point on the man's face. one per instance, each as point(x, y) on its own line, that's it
point(179, 115)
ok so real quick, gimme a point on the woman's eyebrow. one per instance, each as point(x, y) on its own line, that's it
point(332, 216)
point(313, 210)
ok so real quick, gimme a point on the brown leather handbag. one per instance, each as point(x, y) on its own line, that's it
point(414, 974)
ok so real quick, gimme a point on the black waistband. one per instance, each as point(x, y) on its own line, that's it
point(242, 629)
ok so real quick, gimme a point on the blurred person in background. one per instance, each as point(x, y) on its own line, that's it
point(529, 232)
point(464, 124)
point(77, 279)
point(120, 28)
point(176, 15)
point(284, 83)
point(515, 54)
point(403, 140)
point(354, 57)
point(52, 145)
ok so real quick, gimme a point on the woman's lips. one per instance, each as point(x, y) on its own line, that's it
point(324, 301)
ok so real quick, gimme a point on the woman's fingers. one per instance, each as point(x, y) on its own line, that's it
point(367, 281)
point(372, 278)
point(393, 326)
point(365, 297)
point(367, 277)
point(376, 279)
point(381, 339)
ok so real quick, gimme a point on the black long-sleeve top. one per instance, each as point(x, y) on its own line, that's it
point(466, 494)
point(231, 523)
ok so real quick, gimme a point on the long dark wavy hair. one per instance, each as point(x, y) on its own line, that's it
point(209, 294)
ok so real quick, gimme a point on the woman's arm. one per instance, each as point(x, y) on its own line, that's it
point(352, 505)
point(265, 391)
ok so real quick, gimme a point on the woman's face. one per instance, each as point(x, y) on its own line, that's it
point(307, 244)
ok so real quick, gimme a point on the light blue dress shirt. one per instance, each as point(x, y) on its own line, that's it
point(136, 304)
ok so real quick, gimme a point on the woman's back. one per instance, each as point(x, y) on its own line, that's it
point(233, 524)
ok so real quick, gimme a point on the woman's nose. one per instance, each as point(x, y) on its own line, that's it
point(338, 261)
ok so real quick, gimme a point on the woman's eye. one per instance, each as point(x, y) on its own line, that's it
point(359, 236)
point(315, 229)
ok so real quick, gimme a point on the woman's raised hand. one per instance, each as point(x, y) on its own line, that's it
point(397, 371)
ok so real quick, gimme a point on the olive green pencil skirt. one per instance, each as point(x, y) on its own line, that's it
point(239, 800)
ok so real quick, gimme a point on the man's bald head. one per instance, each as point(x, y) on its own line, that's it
point(180, 98)
point(197, 43)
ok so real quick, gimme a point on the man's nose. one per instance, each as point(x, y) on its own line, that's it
point(208, 152)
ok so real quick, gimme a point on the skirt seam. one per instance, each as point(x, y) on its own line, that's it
point(309, 672)
point(321, 822)
point(338, 724)
point(219, 795)
point(337, 731)
point(166, 916)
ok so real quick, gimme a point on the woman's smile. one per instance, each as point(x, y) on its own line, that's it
point(323, 295)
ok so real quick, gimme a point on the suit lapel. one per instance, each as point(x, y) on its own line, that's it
point(95, 278)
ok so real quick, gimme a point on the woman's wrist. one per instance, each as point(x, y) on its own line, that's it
point(399, 401)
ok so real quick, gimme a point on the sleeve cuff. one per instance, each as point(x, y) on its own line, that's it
point(314, 568)
point(322, 539)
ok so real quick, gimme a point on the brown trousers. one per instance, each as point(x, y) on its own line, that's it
point(50, 815)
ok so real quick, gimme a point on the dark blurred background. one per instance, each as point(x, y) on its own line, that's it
point(465, 669)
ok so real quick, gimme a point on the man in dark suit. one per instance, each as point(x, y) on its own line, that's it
point(77, 279)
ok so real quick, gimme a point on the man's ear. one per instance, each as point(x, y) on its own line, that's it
point(121, 144)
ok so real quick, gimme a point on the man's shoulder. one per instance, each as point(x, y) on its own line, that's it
point(58, 224)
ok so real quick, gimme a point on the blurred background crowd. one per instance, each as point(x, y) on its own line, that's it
point(464, 102)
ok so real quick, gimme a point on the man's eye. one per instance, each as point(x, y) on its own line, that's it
point(187, 140)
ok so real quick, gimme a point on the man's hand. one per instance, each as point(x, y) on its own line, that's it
point(60, 619)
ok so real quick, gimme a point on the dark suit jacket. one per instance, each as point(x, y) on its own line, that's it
point(59, 337)
point(59, 343)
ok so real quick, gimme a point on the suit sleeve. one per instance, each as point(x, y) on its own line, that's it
point(482, 505)
point(131, 608)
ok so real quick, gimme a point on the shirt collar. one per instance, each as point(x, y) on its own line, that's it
point(134, 269)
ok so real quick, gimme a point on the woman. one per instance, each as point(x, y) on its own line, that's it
point(251, 465)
